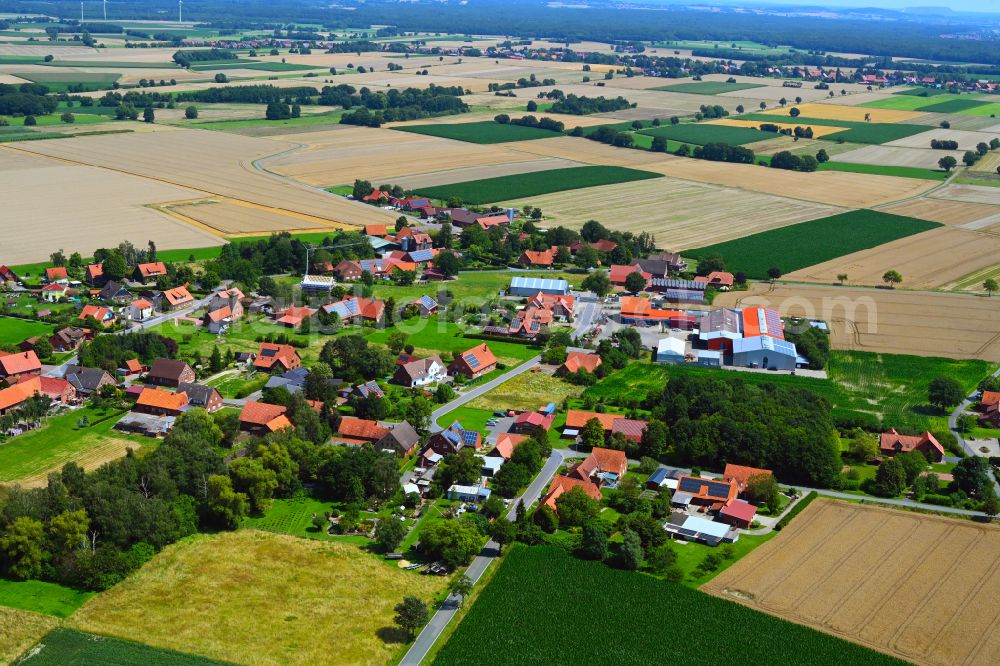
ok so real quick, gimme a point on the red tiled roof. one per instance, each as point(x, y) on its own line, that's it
point(603, 460)
point(95, 270)
point(98, 312)
point(56, 273)
point(54, 287)
point(630, 428)
point(52, 386)
point(889, 440)
point(742, 475)
point(152, 269)
point(577, 360)
point(481, 353)
point(535, 419)
point(294, 316)
point(375, 230)
point(133, 365)
point(220, 314)
point(355, 428)
point(161, 399)
point(141, 304)
point(178, 295)
point(705, 489)
point(260, 413)
point(740, 510)
point(577, 419)
point(507, 442)
point(14, 395)
point(619, 272)
point(18, 363)
point(537, 258)
point(270, 354)
point(562, 484)
point(989, 398)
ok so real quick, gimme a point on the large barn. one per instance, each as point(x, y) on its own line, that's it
point(525, 286)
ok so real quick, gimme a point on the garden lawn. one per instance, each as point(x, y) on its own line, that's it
point(471, 418)
point(294, 516)
point(67, 647)
point(41, 597)
point(14, 331)
point(632, 382)
point(691, 554)
point(255, 597)
point(808, 243)
point(702, 133)
point(28, 458)
point(517, 186)
point(527, 391)
point(708, 87)
point(629, 617)
point(438, 335)
point(486, 131)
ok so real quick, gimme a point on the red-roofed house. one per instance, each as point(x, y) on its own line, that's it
point(262, 418)
point(475, 362)
point(526, 422)
point(600, 462)
point(576, 361)
point(20, 364)
point(638, 310)
point(56, 274)
point(359, 431)
point(563, 484)
point(631, 428)
point(140, 310)
point(718, 279)
point(294, 316)
point(742, 475)
point(103, 315)
point(276, 358)
point(14, 396)
point(738, 514)
point(151, 270)
point(94, 275)
point(7, 275)
point(376, 196)
point(51, 293)
point(617, 274)
point(561, 307)
point(711, 492)
point(159, 402)
point(506, 443)
point(178, 297)
point(376, 230)
point(891, 443)
point(537, 259)
point(57, 389)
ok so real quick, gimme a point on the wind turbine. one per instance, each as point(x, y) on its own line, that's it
point(180, 11)
point(105, 3)
point(81, 12)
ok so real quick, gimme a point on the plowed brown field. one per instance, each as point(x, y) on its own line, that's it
point(920, 587)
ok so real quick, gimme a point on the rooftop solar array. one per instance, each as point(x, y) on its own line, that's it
point(428, 302)
point(469, 437)
point(471, 360)
point(422, 255)
point(672, 283)
point(766, 343)
point(694, 485)
point(538, 283)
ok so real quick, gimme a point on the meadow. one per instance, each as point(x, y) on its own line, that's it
point(529, 390)
point(261, 66)
point(855, 131)
point(885, 170)
point(293, 516)
point(702, 133)
point(67, 647)
point(61, 81)
point(486, 131)
point(13, 331)
point(707, 87)
point(256, 597)
point(41, 597)
point(807, 243)
point(914, 99)
point(513, 622)
point(952, 106)
point(489, 190)
point(19, 630)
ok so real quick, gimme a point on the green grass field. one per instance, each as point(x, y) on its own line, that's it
point(989, 110)
point(41, 597)
point(708, 87)
point(502, 188)
point(68, 647)
point(922, 92)
point(470, 418)
point(632, 382)
point(485, 131)
point(808, 243)
point(29, 457)
point(702, 133)
point(111, 64)
point(294, 516)
point(309, 120)
point(15, 331)
point(61, 81)
point(433, 334)
point(952, 106)
point(884, 170)
point(913, 100)
point(544, 606)
point(855, 132)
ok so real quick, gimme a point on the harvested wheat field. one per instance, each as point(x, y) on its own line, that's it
point(681, 214)
point(20, 630)
point(983, 194)
point(853, 113)
point(920, 587)
point(380, 155)
point(967, 215)
point(449, 176)
point(966, 140)
point(887, 320)
point(251, 597)
point(818, 130)
point(95, 208)
point(989, 162)
point(224, 167)
point(591, 152)
point(853, 190)
point(888, 155)
point(230, 217)
point(926, 261)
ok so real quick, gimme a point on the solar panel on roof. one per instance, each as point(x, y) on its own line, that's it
point(471, 360)
point(422, 255)
point(690, 485)
point(469, 437)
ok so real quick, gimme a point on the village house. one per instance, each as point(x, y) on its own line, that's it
point(412, 240)
point(131, 367)
point(892, 443)
point(366, 390)
point(419, 372)
point(199, 395)
point(225, 306)
point(618, 273)
point(17, 365)
point(170, 372)
point(8, 276)
point(114, 293)
point(352, 309)
point(611, 423)
point(159, 402)
point(12, 397)
point(149, 271)
point(989, 404)
point(377, 230)
point(94, 275)
point(261, 418)
point(528, 422)
point(294, 316)
point(348, 271)
point(402, 439)
point(87, 381)
point(537, 259)
point(426, 306)
point(357, 431)
point(718, 279)
point(561, 306)
point(742, 475)
point(475, 362)
point(177, 298)
point(562, 484)
point(453, 439)
point(714, 493)
point(576, 361)
point(140, 310)
point(506, 444)
point(57, 389)
point(103, 315)
point(601, 467)
point(272, 357)
point(56, 274)
point(662, 265)
point(53, 293)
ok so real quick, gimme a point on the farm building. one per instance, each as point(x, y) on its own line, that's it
point(709, 492)
point(702, 530)
point(170, 372)
point(316, 284)
point(742, 475)
point(475, 362)
point(524, 286)
point(14, 366)
point(640, 311)
point(738, 514)
point(891, 443)
point(670, 350)
point(474, 494)
point(679, 291)
point(709, 359)
point(760, 322)
point(720, 327)
point(764, 351)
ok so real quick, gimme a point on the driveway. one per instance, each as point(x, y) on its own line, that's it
point(478, 390)
point(449, 608)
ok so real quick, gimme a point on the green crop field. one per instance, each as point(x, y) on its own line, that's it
point(518, 186)
point(884, 170)
point(922, 92)
point(808, 243)
point(68, 647)
point(702, 133)
point(111, 64)
point(990, 110)
point(15, 331)
point(544, 606)
point(61, 81)
point(632, 382)
point(911, 101)
point(708, 87)
point(41, 597)
point(308, 120)
point(485, 131)
point(952, 106)
point(855, 132)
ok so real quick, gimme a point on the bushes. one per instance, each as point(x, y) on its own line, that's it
point(790, 162)
point(940, 144)
point(723, 152)
point(796, 510)
point(582, 106)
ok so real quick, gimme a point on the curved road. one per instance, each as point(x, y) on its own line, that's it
point(480, 389)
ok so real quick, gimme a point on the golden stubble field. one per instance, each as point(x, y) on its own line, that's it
point(894, 321)
point(680, 214)
point(20, 630)
point(252, 597)
point(920, 587)
point(926, 260)
point(50, 204)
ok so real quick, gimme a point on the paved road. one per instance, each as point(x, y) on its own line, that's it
point(432, 631)
point(586, 318)
point(477, 391)
point(953, 425)
point(894, 502)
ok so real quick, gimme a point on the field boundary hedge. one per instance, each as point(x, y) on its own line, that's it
point(796, 510)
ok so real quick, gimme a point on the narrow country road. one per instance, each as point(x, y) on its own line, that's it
point(444, 615)
point(953, 426)
point(894, 502)
point(477, 391)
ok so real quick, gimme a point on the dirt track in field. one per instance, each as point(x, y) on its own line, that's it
point(893, 321)
point(922, 588)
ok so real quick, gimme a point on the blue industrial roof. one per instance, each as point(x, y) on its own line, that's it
point(764, 343)
point(539, 284)
point(659, 476)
